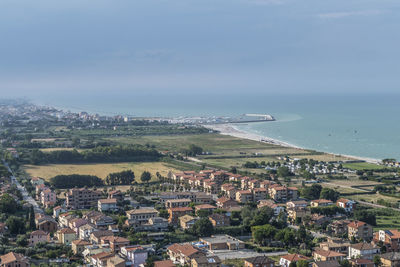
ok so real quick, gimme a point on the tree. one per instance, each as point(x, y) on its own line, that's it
point(263, 216)
point(284, 171)
point(15, 225)
point(263, 234)
point(312, 192)
point(8, 204)
point(121, 178)
point(145, 177)
point(203, 227)
point(22, 241)
point(31, 222)
point(365, 216)
point(329, 193)
point(377, 260)
point(302, 263)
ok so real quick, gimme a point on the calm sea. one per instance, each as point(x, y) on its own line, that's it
point(359, 125)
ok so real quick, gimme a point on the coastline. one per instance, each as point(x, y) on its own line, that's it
point(231, 130)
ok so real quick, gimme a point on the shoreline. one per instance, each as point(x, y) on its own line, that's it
point(231, 130)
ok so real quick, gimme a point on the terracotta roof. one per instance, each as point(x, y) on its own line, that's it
point(328, 253)
point(166, 263)
point(343, 200)
point(244, 192)
point(363, 246)
point(393, 234)
point(38, 232)
point(186, 249)
point(177, 209)
point(295, 257)
point(204, 206)
point(362, 261)
point(66, 231)
point(356, 224)
point(108, 201)
point(103, 255)
point(140, 211)
point(115, 239)
point(79, 242)
point(320, 201)
point(12, 257)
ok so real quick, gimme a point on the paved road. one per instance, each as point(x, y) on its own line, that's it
point(23, 191)
point(314, 234)
point(376, 205)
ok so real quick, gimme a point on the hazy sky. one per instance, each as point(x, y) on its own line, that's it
point(256, 46)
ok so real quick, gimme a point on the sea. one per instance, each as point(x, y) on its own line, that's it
point(362, 125)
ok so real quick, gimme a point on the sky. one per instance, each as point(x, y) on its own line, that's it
point(199, 46)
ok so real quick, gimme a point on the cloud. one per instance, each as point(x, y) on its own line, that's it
point(338, 15)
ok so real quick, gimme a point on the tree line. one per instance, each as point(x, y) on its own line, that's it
point(118, 153)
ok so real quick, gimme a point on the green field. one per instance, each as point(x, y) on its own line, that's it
point(363, 166)
point(387, 222)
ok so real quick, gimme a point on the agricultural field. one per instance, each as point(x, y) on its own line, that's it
point(387, 222)
point(363, 166)
point(101, 169)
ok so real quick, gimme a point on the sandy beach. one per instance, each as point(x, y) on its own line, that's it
point(230, 129)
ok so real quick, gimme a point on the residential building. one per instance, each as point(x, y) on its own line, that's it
point(259, 194)
point(46, 224)
point(336, 244)
point(205, 207)
point(95, 237)
point(187, 221)
point(339, 228)
point(244, 196)
point(298, 214)
point(259, 261)
point(225, 202)
point(359, 230)
point(135, 255)
point(286, 260)
point(164, 263)
point(175, 213)
point(296, 204)
point(108, 204)
point(327, 255)
point(221, 242)
point(78, 246)
point(320, 203)
point(86, 230)
point(116, 261)
point(155, 224)
point(74, 224)
point(38, 236)
point(361, 263)
point(346, 204)
point(57, 211)
point(219, 220)
point(174, 203)
point(48, 198)
point(333, 263)
point(14, 260)
point(37, 181)
point(116, 194)
point(141, 216)
point(282, 193)
point(363, 250)
point(183, 253)
point(206, 261)
point(389, 238)
point(115, 242)
point(390, 259)
point(66, 236)
point(271, 204)
point(82, 198)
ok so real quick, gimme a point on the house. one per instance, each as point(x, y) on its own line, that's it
point(174, 203)
point(259, 261)
point(271, 204)
point(206, 261)
point(135, 255)
point(57, 211)
point(100, 220)
point(37, 181)
point(286, 260)
point(219, 220)
point(363, 250)
point(259, 194)
point(298, 214)
point(141, 216)
point(205, 207)
point(66, 236)
point(116, 194)
point(14, 260)
point(86, 230)
point(333, 263)
point(296, 204)
point(96, 235)
point(389, 239)
point(336, 244)
point(116, 261)
point(48, 198)
point(282, 193)
point(165, 263)
point(115, 242)
point(359, 230)
point(100, 259)
point(187, 221)
point(327, 255)
point(318, 220)
point(346, 204)
point(390, 259)
point(221, 242)
point(65, 218)
point(320, 203)
point(175, 213)
point(154, 224)
point(362, 263)
point(74, 224)
point(93, 250)
point(108, 204)
point(339, 227)
point(244, 196)
point(37, 236)
point(78, 246)
point(82, 198)
point(183, 253)
point(225, 202)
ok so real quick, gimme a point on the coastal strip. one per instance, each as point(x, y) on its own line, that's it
point(231, 130)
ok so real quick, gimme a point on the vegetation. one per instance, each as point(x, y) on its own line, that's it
point(75, 180)
point(121, 178)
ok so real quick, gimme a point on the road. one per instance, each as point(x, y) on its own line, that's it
point(376, 205)
point(23, 191)
point(314, 234)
